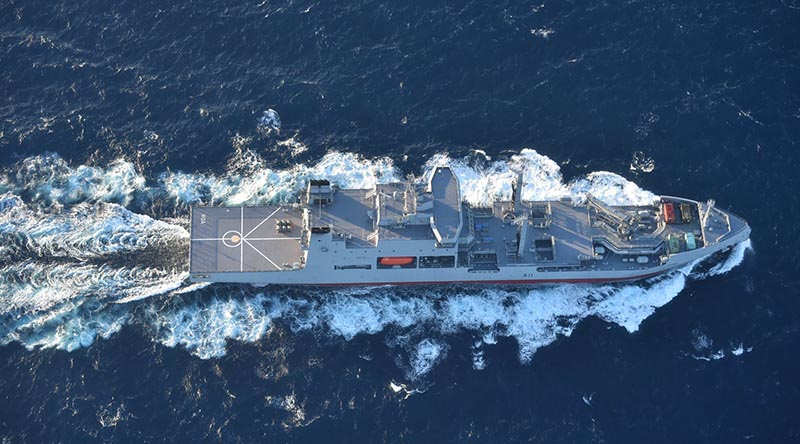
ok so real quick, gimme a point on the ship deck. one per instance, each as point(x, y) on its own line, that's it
point(348, 216)
point(268, 238)
point(569, 228)
point(241, 239)
point(573, 237)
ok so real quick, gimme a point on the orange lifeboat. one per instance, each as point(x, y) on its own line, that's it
point(397, 260)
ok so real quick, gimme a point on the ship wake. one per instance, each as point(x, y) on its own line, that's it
point(88, 250)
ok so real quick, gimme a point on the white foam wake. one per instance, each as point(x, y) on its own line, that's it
point(252, 182)
point(734, 259)
point(483, 182)
point(82, 231)
point(413, 320)
point(534, 317)
point(205, 327)
point(51, 180)
point(705, 350)
point(66, 305)
point(426, 354)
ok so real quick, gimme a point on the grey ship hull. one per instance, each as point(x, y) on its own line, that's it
point(506, 275)
point(397, 235)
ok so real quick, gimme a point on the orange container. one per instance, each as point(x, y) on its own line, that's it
point(668, 209)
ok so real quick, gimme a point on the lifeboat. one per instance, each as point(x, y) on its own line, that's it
point(397, 260)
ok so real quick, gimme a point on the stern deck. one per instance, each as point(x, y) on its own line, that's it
point(241, 239)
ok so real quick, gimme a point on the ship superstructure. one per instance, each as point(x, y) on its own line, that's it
point(422, 233)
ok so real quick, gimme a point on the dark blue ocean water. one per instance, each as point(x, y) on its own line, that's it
point(116, 117)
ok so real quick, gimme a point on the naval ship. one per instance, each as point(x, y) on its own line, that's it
point(420, 232)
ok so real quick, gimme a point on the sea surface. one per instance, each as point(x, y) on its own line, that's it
point(117, 116)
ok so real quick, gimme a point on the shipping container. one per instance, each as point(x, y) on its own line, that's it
point(668, 210)
point(674, 244)
point(686, 213)
point(690, 243)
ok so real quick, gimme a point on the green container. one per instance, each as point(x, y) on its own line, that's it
point(674, 244)
point(690, 243)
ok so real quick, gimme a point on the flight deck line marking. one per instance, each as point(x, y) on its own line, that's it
point(244, 241)
point(272, 238)
point(241, 244)
point(260, 223)
point(252, 238)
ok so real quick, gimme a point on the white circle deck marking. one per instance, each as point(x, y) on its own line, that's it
point(232, 238)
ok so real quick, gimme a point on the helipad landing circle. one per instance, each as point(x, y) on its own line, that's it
point(232, 238)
